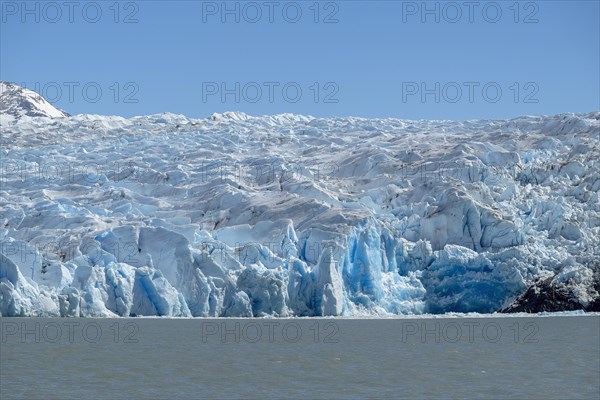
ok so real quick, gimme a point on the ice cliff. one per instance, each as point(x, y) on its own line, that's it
point(290, 215)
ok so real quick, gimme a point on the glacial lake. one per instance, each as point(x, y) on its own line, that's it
point(487, 357)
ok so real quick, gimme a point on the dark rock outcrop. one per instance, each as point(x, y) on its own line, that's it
point(548, 295)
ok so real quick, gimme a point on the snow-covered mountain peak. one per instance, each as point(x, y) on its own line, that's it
point(17, 101)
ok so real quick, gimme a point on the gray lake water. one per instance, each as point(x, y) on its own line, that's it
point(552, 357)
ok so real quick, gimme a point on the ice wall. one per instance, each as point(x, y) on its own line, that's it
point(289, 215)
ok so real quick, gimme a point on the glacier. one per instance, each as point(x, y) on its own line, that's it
point(287, 215)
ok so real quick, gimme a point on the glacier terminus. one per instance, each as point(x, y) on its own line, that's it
point(288, 215)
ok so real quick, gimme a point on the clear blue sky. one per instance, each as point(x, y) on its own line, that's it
point(374, 60)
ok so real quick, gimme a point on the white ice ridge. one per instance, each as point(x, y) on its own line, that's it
point(289, 215)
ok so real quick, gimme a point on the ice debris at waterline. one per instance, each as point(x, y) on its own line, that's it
point(289, 215)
